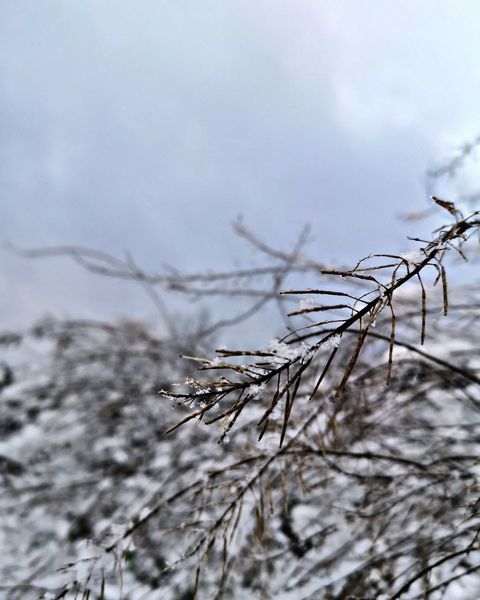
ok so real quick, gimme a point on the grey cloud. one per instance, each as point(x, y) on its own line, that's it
point(150, 125)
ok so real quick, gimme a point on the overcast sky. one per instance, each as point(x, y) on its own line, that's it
point(150, 125)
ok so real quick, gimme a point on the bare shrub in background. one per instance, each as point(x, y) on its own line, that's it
point(339, 461)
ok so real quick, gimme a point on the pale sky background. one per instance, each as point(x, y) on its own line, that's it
point(150, 125)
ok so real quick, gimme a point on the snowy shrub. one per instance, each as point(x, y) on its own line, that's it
point(338, 461)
